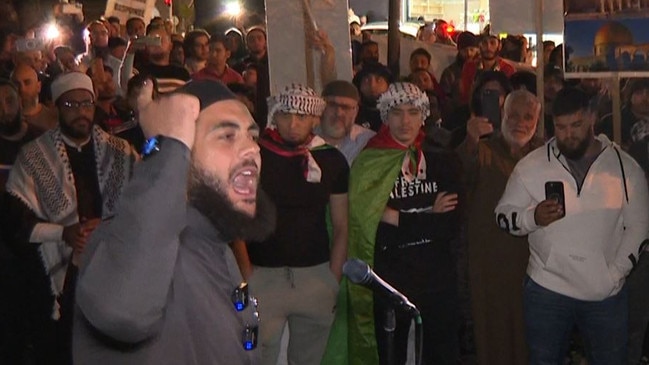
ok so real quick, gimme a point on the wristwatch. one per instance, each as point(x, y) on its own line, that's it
point(151, 146)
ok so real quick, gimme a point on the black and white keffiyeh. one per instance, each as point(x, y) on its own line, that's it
point(299, 99)
point(295, 99)
point(403, 93)
point(42, 179)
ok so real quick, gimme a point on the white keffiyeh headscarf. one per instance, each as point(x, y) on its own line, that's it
point(403, 93)
point(400, 93)
point(297, 99)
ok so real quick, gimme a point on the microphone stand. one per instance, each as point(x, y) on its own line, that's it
point(389, 326)
point(419, 338)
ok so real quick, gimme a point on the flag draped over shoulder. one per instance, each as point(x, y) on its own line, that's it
point(352, 339)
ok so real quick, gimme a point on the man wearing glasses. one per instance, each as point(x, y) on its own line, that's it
point(60, 187)
point(337, 125)
point(159, 283)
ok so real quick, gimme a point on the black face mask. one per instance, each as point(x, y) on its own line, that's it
point(207, 195)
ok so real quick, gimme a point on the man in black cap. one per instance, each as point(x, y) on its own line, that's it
point(159, 283)
point(372, 81)
point(467, 49)
point(337, 125)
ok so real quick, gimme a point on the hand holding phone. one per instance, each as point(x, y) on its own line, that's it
point(553, 207)
point(490, 105)
point(478, 127)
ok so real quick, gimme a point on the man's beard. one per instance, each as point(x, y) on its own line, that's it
point(207, 194)
point(488, 55)
point(70, 131)
point(334, 132)
point(517, 141)
point(577, 152)
point(13, 127)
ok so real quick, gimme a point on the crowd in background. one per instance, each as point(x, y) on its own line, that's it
point(117, 58)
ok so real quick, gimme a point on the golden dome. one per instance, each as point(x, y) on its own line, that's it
point(613, 33)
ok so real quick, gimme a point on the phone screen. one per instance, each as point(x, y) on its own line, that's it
point(554, 191)
point(490, 103)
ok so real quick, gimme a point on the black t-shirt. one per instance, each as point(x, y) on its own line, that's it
point(169, 77)
point(300, 238)
point(417, 256)
point(9, 151)
point(369, 116)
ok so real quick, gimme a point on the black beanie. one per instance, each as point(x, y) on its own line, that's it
point(208, 92)
point(341, 88)
point(466, 39)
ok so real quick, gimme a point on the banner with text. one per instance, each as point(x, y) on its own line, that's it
point(126, 9)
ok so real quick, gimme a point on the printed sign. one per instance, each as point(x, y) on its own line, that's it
point(126, 9)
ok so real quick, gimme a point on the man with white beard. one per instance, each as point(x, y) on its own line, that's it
point(496, 291)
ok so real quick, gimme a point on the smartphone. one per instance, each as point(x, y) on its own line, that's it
point(148, 41)
point(71, 9)
point(490, 103)
point(554, 190)
point(29, 44)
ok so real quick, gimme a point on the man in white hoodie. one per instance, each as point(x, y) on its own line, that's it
point(580, 254)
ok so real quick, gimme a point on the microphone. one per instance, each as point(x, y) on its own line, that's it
point(360, 273)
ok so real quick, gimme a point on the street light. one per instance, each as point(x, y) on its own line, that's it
point(233, 8)
point(52, 32)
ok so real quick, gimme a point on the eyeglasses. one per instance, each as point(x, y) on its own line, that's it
point(241, 299)
point(87, 104)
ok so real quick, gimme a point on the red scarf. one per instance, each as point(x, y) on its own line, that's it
point(272, 141)
point(384, 140)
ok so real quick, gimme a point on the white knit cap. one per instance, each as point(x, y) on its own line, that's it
point(71, 81)
point(295, 99)
point(403, 93)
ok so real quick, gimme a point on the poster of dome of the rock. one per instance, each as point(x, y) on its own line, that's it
point(603, 37)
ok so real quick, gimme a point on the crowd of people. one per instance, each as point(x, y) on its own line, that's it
point(160, 205)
